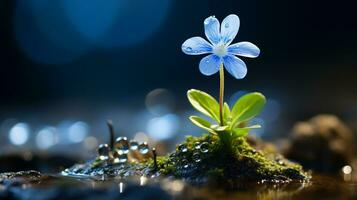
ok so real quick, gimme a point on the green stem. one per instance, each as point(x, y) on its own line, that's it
point(221, 93)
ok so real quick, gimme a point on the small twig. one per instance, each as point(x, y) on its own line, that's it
point(155, 159)
point(111, 132)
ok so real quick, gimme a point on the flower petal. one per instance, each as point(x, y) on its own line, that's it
point(210, 64)
point(229, 28)
point(245, 49)
point(235, 66)
point(211, 25)
point(196, 46)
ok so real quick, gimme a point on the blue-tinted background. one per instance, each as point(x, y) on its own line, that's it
point(68, 66)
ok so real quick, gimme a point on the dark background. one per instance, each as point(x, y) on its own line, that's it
point(307, 63)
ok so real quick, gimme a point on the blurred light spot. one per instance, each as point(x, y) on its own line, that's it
point(175, 186)
point(77, 132)
point(233, 99)
point(143, 180)
point(271, 111)
point(160, 101)
point(121, 187)
point(141, 137)
point(165, 127)
point(259, 131)
point(46, 138)
point(90, 143)
point(116, 22)
point(92, 18)
point(27, 155)
point(19, 134)
point(347, 169)
point(45, 34)
point(62, 130)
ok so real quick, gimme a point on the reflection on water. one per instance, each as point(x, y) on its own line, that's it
point(141, 187)
point(320, 187)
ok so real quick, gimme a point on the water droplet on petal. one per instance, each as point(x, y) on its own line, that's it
point(121, 145)
point(134, 145)
point(196, 157)
point(226, 25)
point(204, 147)
point(182, 148)
point(103, 151)
point(209, 20)
point(144, 148)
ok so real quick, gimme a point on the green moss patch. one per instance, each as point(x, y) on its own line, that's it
point(240, 163)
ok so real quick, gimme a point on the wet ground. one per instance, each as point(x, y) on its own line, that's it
point(34, 185)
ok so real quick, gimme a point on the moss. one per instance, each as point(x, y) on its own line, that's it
point(240, 163)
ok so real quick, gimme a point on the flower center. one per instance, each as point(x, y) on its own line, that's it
point(220, 50)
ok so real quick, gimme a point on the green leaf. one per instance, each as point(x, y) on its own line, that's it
point(198, 121)
point(204, 103)
point(226, 113)
point(240, 132)
point(219, 128)
point(247, 107)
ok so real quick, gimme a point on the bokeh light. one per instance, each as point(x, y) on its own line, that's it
point(19, 134)
point(59, 32)
point(141, 137)
point(78, 131)
point(90, 143)
point(45, 34)
point(46, 138)
point(271, 111)
point(116, 23)
point(160, 101)
point(259, 131)
point(165, 127)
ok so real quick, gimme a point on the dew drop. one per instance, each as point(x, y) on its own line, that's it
point(134, 145)
point(197, 146)
point(188, 49)
point(226, 25)
point(120, 158)
point(121, 145)
point(184, 163)
point(182, 148)
point(204, 147)
point(143, 148)
point(209, 20)
point(196, 157)
point(103, 151)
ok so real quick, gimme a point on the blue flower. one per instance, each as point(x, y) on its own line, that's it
point(220, 48)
